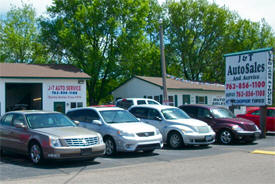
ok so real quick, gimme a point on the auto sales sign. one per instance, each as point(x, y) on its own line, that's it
point(249, 78)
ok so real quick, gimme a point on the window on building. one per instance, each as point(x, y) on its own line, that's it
point(201, 100)
point(157, 98)
point(171, 100)
point(73, 105)
point(185, 99)
point(79, 104)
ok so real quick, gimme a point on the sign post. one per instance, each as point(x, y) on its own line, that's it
point(249, 80)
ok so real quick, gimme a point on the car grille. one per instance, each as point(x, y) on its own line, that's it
point(145, 134)
point(203, 129)
point(82, 141)
point(249, 127)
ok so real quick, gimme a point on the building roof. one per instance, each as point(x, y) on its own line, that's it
point(23, 70)
point(179, 84)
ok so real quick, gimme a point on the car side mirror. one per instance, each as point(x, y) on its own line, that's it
point(157, 118)
point(209, 116)
point(97, 122)
point(138, 119)
point(20, 125)
point(76, 123)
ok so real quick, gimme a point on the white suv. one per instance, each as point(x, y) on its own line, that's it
point(121, 131)
point(176, 127)
point(125, 103)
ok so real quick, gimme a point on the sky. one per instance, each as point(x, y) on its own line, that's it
point(253, 10)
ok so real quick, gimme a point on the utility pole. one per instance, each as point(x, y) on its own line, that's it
point(163, 64)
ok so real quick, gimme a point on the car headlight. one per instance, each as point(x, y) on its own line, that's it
point(100, 139)
point(55, 142)
point(185, 130)
point(257, 128)
point(237, 128)
point(125, 134)
point(157, 131)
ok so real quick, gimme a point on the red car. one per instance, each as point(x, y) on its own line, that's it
point(254, 115)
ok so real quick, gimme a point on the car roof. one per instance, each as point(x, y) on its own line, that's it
point(203, 106)
point(136, 99)
point(97, 108)
point(31, 112)
point(159, 107)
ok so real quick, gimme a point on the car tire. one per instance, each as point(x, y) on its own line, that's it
point(110, 146)
point(225, 137)
point(175, 140)
point(36, 153)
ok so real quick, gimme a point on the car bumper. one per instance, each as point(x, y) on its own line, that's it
point(247, 135)
point(139, 143)
point(75, 152)
point(198, 139)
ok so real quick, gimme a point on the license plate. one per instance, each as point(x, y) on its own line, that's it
point(208, 137)
point(257, 135)
point(86, 151)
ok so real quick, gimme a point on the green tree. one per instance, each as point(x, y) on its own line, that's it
point(195, 30)
point(19, 37)
point(200, 33)
point(105, 38)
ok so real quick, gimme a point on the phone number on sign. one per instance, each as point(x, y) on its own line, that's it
point(250, 93)
point(246, 85)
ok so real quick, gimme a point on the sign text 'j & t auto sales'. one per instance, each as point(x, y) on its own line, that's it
point(249, 78)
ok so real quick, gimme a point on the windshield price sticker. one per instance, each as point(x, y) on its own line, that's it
point(249, 78)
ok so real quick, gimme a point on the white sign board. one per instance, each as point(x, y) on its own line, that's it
point(249, 78)
point(64, 92)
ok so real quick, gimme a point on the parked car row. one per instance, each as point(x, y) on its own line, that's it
point(86, 133)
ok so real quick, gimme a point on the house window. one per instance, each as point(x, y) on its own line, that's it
point(79, 104)
point(73, 105)
point(185, 99)
point(157, 98)
point(171, 100)
point(201, 100)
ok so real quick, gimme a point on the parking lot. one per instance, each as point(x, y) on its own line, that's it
point(15, 168)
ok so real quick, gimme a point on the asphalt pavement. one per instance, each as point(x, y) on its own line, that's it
point(214, 164)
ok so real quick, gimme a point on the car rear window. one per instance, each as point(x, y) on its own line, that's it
point(125, 104)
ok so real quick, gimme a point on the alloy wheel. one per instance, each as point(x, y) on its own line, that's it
point(35, 153)
point(226, 137)
point(110, 147)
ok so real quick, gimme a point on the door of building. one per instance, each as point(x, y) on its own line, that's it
point(59, 107)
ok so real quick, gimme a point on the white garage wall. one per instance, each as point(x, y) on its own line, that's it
point(136, 88)
point(48, 99)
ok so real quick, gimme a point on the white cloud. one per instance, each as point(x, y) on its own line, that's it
point(39, 5)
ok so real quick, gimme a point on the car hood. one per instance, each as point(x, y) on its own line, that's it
point(66, 132)
point(237, 121)
point(133, 127)
point(188, 122)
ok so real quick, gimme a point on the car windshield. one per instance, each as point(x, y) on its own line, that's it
point(48, 120)
point(222, 113)
point(174, 113)
point(118, 116)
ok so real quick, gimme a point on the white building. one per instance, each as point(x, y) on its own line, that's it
point(179, 91)
point(42, 87)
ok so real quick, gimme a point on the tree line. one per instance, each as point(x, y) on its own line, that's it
point(113, 40)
